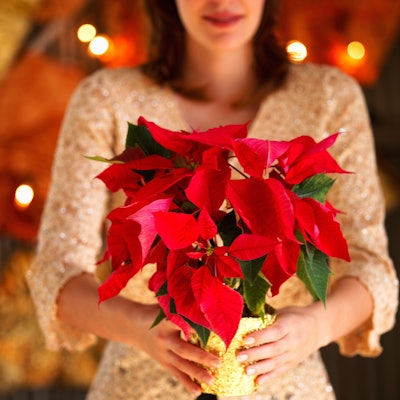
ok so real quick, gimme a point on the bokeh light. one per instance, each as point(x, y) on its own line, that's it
point(24, 195)
point(86, 33)
point(99, 45)
point(297, 51)
point(356, 50)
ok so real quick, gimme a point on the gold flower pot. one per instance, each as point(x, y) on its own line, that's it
point(231, 379)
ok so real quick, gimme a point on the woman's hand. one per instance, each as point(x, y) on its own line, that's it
point(282, 346)
point(128, 322)
point(181, 358)
point(300, 331)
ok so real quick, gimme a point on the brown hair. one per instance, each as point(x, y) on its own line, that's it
point(166, 48)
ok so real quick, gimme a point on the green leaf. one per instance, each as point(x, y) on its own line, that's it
point(187, 207)
point(299, 236)
point(161, 316)
point(251, 268)
point(313, 270)
point(162, 290)
point(303, 276)
point(316, 187)
point(172, 306)
point(141, 137)
point(103, 159)
point(228, 229)
point(202, 332)
point(255, 293)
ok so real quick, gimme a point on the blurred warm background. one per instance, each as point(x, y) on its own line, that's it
point(48, 46)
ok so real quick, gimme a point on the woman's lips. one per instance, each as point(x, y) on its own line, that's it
point(222, 19)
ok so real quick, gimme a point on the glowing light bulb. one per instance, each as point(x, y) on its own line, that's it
point(86, 33)
point(24, 195)
point(99, 45)
point(356, 50)
point(297, 51)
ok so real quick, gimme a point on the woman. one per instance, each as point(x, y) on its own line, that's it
point(211, 63)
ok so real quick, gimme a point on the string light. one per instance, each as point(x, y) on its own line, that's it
point(356, 50)
point(99, 45)
point(24, 195)
point(297, 51)
point(86, 33)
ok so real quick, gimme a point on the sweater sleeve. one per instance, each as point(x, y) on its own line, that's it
point(70, 235)
point(358, 195)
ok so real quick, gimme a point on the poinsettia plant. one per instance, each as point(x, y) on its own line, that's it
point(227, 219)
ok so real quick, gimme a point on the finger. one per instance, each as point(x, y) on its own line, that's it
point(191, 369)
point(262, 352)
point(272, 333)
point(194, 353)
point(267, 366)
point(263, 379)
point(190, 385)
